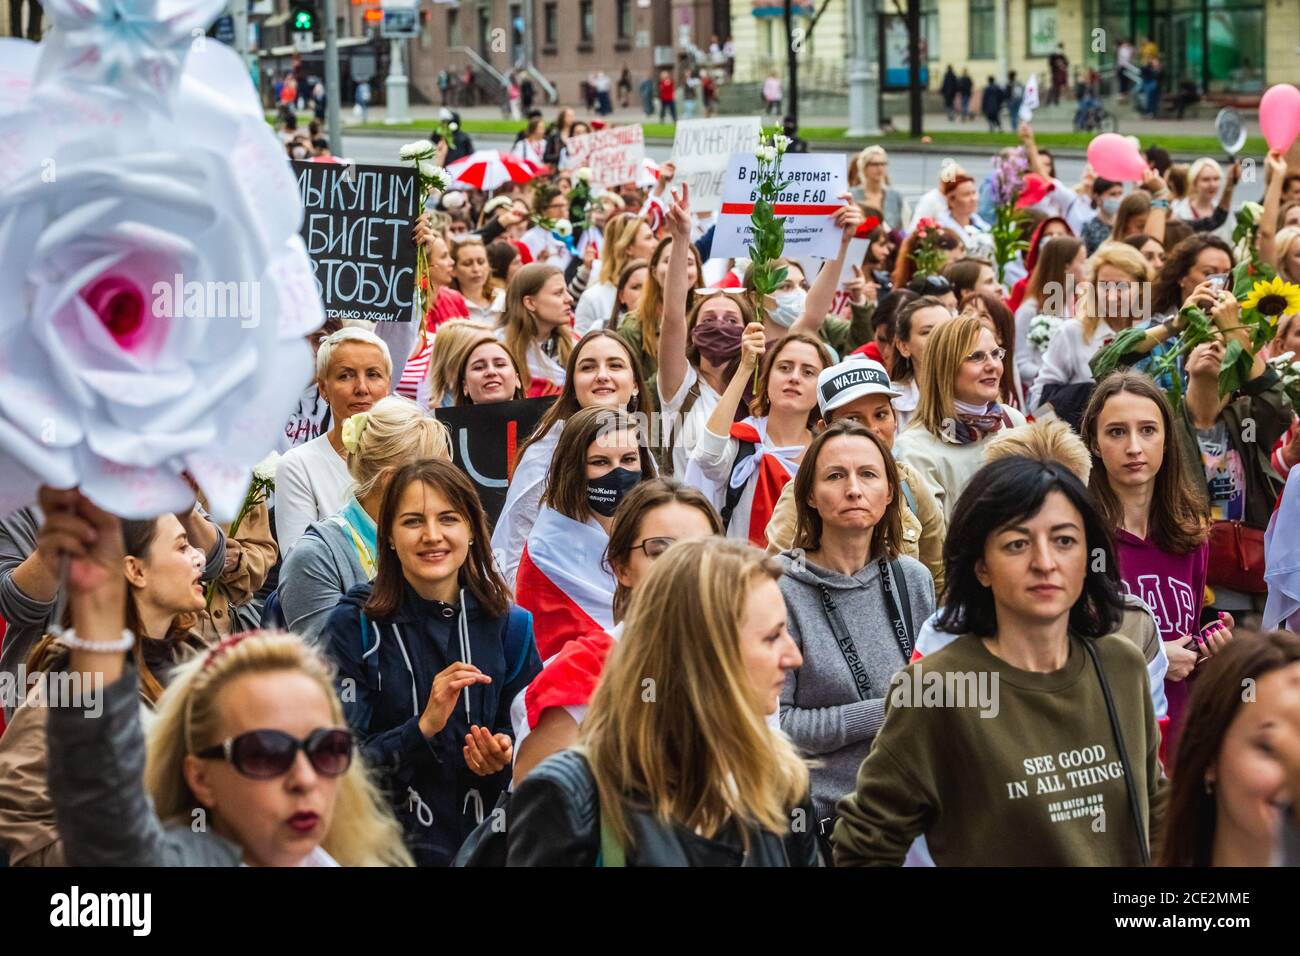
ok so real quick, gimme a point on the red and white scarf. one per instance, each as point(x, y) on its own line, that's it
point(563, 581)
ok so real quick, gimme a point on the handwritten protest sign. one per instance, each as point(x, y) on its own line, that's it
point(701, 149)
point(808, 203)
point(357, 228)
point(614, 155)
point(484, 440)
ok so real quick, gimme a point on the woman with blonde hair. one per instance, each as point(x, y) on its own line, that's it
point(698, 779)
point(535, 327)
point(340, 552)
point(354, 369)
point(1205, 183)
point(958, 410)
point(628, 292)
point(165, 599)
point(450, 346)
point(472, 277)
point(870, 186)
point(1114, 297)
point(627, 237)
point(223, 771)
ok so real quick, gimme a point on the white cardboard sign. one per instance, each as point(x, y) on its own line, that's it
point(701, 149)
point(613, 155)
point(808, 203)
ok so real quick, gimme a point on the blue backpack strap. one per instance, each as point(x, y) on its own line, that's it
point(519, 625)
point(907, 495)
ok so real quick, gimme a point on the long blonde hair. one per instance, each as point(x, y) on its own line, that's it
point(1282, 244)
point(362, 830)
point(395, 432)
point(1117, 255)
point(702, 753)
point(451, 342)
point(945, 350)
point(620, 233)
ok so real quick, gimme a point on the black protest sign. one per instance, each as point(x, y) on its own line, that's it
point(485, 440)
point(357, 227)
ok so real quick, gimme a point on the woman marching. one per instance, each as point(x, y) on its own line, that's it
point(657, 785)
point(1069, 718)
point(438, 623)
point(845, 567)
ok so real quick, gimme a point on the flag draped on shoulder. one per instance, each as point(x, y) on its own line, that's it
point(562, 579)
point(567, 680)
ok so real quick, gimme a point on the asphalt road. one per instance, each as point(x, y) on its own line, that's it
point(911, 172)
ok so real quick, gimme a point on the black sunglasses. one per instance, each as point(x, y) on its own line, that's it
point(930, 285)
point(266, 754)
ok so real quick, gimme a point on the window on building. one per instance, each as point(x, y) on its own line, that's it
point(550, 23)
point(1040, 28)
point(624, 16)
point(453, 28)
point(982, 32)
point(586, 21)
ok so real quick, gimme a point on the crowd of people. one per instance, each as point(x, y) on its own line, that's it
point(868, 571)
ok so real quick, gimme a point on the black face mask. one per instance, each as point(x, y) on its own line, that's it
point(605, 493)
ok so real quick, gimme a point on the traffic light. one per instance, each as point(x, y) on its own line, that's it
point(304, 18)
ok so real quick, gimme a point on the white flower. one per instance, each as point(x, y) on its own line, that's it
point(157, 290)
point(765, 154)
point(265, 469)
point(420, 149)
point(583, 175)
point(1041, 330)
point(562, 228)
point(780, 142)
point(434, 174)
point(453, 200)
point(452, 127)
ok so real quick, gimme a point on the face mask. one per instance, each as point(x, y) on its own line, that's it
point(605, 493)
point(1110, 206)
point(789, 306)
point(717, 340)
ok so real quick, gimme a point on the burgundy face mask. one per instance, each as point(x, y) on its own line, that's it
point(717, 339)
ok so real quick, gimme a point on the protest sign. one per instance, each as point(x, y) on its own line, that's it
point(613, 155)
point(484, 441)
point(357, 228)
point(814, 182)
point(701, 149)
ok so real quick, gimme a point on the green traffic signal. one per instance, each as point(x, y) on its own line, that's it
point(302, 21)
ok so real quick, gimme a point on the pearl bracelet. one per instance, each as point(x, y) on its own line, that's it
point(70, 640)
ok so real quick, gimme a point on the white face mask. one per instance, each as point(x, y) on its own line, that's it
point(789, 306)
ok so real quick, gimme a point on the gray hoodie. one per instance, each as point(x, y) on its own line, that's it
point(821, 709)
point(318, 570)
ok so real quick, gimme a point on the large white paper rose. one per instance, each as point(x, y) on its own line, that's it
point(155, 291)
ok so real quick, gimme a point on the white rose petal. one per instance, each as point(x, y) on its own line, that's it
point(563, 228)
point(583, 175)
point(265, 469)
point(116, 377)
point(420, 149)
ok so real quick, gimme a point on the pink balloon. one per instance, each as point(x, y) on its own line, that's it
point(1279, 116)
point(1112, 156)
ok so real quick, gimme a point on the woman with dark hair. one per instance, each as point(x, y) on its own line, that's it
point(742, 466)
point(162, 571)
point(1068, 736)
point(1228, 801)
point(1106, 197)
point(1059, 272)
point(630, 284)
point(503, 261)
point(487, 374)
point(1188, 265)
point(655, 515)
point(1144, 484)
point(994, 315)
point(912, 328)
point(536, 327)
point(601, 373)
point(845, 567)
point(562, 575)
point(883, 325)
point(1153, 250)
point(640, 326)
point(905, 265)
point(437, 621)
point(971, 274)
point(1049, 228)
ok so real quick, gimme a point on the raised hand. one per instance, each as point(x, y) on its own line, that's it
point(90, 537)
point(679, 213)
point(753, 343)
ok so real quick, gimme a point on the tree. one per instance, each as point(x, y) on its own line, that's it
point(913, 18)
point(791, 53)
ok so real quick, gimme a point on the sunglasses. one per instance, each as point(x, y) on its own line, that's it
point(979, 358)
point(266, 754)
point(931, 285)
point(715, 290)
point(653, 547)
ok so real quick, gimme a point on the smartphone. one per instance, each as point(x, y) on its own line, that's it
point(1211, 628)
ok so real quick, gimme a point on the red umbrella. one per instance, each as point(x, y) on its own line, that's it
point(487, 169)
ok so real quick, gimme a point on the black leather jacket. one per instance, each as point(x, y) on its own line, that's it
point(555, 821)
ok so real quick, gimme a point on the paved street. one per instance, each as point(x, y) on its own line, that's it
point(912, 172)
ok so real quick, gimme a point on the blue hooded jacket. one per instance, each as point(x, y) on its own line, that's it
point(385, 674)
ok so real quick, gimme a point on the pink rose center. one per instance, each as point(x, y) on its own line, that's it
point(119, 305)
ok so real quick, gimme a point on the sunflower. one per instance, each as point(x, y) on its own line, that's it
point(1273, 298)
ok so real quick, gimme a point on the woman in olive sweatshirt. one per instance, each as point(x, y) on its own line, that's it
point(1030, 740)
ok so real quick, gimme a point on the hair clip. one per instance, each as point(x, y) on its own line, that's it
point(353, 428)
